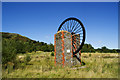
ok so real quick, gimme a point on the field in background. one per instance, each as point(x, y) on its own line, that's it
point(41, 65)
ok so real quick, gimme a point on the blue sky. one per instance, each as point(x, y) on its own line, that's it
point(40, 21)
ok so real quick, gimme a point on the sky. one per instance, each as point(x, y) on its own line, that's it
point(40, 20)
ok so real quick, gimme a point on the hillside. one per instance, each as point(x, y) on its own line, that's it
point(15, 36)
point(26, 41)
point(13, 44)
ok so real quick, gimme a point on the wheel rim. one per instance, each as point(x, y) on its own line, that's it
point(74, 26)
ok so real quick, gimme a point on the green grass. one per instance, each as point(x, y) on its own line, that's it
point(41, 65)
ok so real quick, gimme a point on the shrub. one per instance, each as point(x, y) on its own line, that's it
point(89, 55)
point(52, 53)
point(28, 58)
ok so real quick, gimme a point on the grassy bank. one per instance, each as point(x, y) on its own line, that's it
point(41, 65)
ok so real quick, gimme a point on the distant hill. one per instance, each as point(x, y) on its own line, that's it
point(13, 44)
point(15, 36)
point(25, 42)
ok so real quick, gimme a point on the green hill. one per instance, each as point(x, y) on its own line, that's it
point(13, 44)
point(13, 37)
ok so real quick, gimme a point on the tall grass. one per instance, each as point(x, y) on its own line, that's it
point(41, 65)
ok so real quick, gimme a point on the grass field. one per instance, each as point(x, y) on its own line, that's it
point(41, 65)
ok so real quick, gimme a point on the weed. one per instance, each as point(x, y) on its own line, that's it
point(43, 67)
point(52, 53)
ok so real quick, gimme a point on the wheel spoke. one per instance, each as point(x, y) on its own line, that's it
point(79, 30)
point(74, 26)
point(62, 28)
point(70, 25)
point(78, 33)
point(65, 26)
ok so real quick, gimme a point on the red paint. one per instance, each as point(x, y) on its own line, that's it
point(63, 48)
point(55, 48)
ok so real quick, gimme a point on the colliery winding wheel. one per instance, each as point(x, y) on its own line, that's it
point(77, 30)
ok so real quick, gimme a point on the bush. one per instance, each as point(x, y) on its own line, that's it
point(8, 51)
point(52, 54)
point(89, 55)
point(28, 58)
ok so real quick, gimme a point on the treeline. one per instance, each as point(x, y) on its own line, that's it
point(13, 44)
point(89, 48)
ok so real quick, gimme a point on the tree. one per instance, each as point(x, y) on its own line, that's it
point(104, 49)
point(51, 47)
point(87, 48)
point(8, 51)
